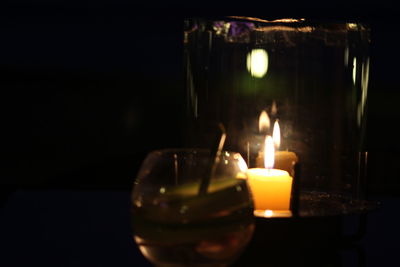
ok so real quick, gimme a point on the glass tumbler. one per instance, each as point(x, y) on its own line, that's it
point(189, 208)
point(302, 82)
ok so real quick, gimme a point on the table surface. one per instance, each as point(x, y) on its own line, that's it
point(92, 228)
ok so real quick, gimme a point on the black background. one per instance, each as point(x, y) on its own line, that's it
point(87, 89)
point(101, 84)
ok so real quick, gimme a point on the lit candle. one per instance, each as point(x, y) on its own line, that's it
point(259, 139)
point(284, 160)
point(271, 188)
point(254, 141)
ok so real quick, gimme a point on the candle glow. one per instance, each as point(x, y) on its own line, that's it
point(284, 160)
point(263, 122)
point(271, 188)
point(269, 152)
point(276, 134)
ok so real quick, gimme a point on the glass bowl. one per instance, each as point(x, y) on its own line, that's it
point(189, 208)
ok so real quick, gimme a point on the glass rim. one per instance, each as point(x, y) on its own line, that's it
point(290, 21)
point(319, 26)
point(249, 30)
point(187, 150)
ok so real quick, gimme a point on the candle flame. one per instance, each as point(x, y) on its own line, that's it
point(263, 122)
point(276, 134)
point(274, 109)
point(269, 152)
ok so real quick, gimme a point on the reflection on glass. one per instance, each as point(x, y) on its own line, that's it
point(175, 225)
point(354, 74)
point(264, 122)
point(257, 62)
point(316, 87)
point(276, 135)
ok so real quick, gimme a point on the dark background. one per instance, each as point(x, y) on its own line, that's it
point(100, 84)
point(87, 89)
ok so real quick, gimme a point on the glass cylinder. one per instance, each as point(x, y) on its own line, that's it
point(309, 79)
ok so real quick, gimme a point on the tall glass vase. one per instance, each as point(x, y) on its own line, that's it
point(309, 79)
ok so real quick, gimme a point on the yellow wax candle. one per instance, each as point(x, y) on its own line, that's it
point(271, 188)
point(285, 160)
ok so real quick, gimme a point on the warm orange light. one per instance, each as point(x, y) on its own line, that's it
point(283, 20)
point(268, 213)
point(263, 122)
point(276, 134)
point(269, 152)
point(274, 109)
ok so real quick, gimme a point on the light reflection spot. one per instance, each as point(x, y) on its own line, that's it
point(268, 213)
point(257, 62)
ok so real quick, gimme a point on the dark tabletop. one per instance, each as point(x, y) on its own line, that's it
point(92, 228)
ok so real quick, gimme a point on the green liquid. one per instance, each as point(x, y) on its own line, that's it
point(207, 230)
